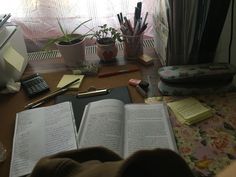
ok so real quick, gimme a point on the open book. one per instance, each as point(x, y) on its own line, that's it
point(40, 132)
point(125, 128)
point(122, 128)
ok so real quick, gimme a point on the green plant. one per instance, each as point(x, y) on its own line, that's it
point(68, 38)
point(107, 35)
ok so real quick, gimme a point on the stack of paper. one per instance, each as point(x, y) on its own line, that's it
point(190, 110)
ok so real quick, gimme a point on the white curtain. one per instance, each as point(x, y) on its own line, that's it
point(194, 30)
point(38, 18)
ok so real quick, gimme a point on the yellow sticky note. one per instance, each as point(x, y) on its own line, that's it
point(13, 58)
point(190, 110)
point(67, 78)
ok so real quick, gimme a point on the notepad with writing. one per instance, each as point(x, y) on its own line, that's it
point(190, 110)
point(40, 132)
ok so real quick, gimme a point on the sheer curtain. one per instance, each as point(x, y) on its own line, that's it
point(194, 30)
point(38, 18)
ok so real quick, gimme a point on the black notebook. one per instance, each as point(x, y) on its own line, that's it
point(78, 104)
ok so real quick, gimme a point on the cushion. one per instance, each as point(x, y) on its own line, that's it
point(180, 89)
point(197, 73)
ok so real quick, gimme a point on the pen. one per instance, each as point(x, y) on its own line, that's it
point(69, 84)
point(145, 18)
point(112, 73)
point(45, 98)
point(51, 95)
point(121, 18)
point(93, 93)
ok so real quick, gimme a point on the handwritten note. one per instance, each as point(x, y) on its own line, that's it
point(40, 132)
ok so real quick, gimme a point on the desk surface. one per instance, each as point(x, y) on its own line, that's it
point(207, 147)
point(52, 71)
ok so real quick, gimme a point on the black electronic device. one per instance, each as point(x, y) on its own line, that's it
point(34, 85)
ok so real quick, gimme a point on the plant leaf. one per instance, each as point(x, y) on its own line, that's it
point(61, 28)
point(80, 25)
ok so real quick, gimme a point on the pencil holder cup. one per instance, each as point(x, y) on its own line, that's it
point(133, 46)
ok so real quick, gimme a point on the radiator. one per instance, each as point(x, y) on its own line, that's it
point(42, 55)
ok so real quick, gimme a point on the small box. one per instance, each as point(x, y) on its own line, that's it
point(145, 59)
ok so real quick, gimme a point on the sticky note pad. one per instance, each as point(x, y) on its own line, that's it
point(190, 110)
point(67, 78)
point(13, 58)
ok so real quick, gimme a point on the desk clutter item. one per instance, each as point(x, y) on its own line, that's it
point(190, 111)
point(121, 69)
point(133, 34)
point(146, 60)
point(34, 85)
point(87, 69)
point(67, 78)
point(196, 79)
point(141, 86)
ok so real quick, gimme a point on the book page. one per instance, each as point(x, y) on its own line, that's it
point(40, 132)
point(102, 125)
point(147, 127)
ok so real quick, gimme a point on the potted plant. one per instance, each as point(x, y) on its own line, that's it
point(106, 38)
point(70, 45)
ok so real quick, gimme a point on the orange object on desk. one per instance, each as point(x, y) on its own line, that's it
point(121, 71)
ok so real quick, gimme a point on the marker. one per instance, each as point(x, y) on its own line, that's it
point(141, 91)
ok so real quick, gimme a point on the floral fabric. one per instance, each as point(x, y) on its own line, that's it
point(210, 145)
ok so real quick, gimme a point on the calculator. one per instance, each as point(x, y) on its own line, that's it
point(34, 84)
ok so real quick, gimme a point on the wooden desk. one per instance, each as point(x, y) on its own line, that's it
point(52, 70)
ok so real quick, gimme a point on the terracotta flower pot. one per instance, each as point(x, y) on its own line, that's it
point(107, 52)
point(73, 54)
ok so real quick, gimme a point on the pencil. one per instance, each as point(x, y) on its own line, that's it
point(112, 73)
point(50, 95)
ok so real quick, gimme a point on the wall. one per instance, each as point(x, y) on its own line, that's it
point(222, 49)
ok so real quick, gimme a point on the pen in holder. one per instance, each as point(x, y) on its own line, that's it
point(133, 46)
